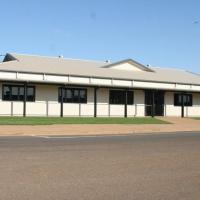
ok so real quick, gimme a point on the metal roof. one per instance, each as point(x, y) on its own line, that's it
point(63, 66)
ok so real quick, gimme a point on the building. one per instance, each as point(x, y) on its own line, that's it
point(47, 86)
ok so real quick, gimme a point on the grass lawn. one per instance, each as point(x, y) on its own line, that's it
point(76, 120)
point(197, 118)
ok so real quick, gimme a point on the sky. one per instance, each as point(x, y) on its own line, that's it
point(162, 33)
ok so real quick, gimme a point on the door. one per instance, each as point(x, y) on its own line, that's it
point(154, 103)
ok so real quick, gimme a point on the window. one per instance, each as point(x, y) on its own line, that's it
point(118, 97)
point(73, 95)
point(130, 98)
point(21, 93)
point(6, 93)
point(68, 95)
point(30, 94)
point(187, 99)
point(16, 93)
point(76, 96)
point(83, 96)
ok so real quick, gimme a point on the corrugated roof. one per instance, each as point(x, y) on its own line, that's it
point(55, 65)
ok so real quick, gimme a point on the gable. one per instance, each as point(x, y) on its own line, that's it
point(129, 65)
point(8, 57)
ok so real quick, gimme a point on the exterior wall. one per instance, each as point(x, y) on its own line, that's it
point(105, 109)
point(80, 109)
point(46, 104)
point(6, 107)
point(170, 109)
point(189, 111)
point(139, 97)
point(195, 109)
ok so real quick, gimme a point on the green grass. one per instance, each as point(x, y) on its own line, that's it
point(197, 118)
point(76, 120)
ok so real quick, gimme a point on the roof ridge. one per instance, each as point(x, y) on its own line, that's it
point(57, 57)
point(171, 68)
point(194, 73)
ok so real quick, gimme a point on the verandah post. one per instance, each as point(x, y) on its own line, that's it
point(182, 105)
point(125, 105)
point(61, 102)
point(95, 101)
point(25, 99)
point(153, 105)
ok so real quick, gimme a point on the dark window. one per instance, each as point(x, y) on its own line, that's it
point(73, 95)
point(6, 93)
point(16, 93)
point(68, 95)
point(21, 93)
point(30, 93)
point(187, 99)
point(118, 97)
point(83, 96)
point(130, 97)
point(76, 96)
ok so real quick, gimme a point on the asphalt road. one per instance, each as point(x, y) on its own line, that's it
point(152, 167)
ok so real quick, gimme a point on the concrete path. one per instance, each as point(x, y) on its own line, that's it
point(178, 125)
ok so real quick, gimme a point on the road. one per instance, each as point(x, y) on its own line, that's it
point(130, 167)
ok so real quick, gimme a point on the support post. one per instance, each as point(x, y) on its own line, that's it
point(164, 105)
point(182, 105)
point(95, 101)
point(25, 99)
point(61, 102)
point(11, 108)
point(125, 105)
point(153, 105)
point(47, 108)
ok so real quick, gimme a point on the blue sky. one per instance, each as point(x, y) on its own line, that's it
point(155, 32)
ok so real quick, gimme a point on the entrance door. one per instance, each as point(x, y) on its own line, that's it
point(154, 101)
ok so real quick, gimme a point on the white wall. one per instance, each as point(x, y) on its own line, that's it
point(189, 111)
point(139, 100)
point(46, 104)
point(104, 109)
point(6, 107)
point(88, 108)
point(170, 109)
point(48, 95)
point(195, 109)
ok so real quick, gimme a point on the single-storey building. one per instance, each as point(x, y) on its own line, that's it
point(55, 86)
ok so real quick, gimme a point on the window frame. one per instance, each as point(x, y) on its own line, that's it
point(129, 101)
point(72, 100)
point(179, 95)
point(19, 99)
